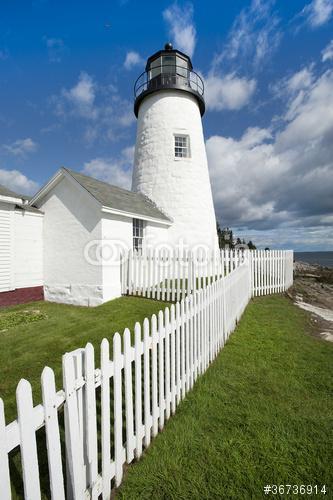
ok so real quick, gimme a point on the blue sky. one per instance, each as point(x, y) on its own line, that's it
point(67, 71)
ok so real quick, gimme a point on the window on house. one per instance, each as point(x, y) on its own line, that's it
point(182, 146)
point(138, 226)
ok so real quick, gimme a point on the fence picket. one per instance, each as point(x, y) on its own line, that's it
point(128, 396)
point(191, 341)
point(91, 420)
point(173, 357)
point(155, 409)
point(105, 419)
point(146, 350)
point(138, 390)
point(4, 465)
point(167, 362)
point(178, 366)
point(52, 434)
point(187, 342)
point(28, 441)
point(72, 424)
point(118, 414)
point(161, 336)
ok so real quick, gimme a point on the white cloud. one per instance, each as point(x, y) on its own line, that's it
point(103, 113)
point(300, 80)
point(181, 27)
point(254, 35)
point(282, 178)
point(312, 116)
point(228, 92)
point(117, 171)
point(327, 53)
point(318, 12)
point(132, 59)
point(318, 238)
point(18, 182)
point(55, 49)
point(294, 89)
point(21, 147)
point(82, 96)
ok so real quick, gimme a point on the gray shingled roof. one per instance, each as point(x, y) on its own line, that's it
point(118, 198)
point(7, 192)
point(28, 208)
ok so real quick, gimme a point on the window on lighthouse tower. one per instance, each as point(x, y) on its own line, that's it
point(182, 146)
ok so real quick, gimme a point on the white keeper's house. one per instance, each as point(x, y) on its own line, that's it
point(48, 243)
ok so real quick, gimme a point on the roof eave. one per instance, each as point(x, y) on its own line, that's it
point(10, 199)
point(47, 187)
point(133, 215)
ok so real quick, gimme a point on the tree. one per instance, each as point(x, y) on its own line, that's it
point(225, 237)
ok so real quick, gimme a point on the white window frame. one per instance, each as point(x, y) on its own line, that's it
point(138, 230)
point(181, 150)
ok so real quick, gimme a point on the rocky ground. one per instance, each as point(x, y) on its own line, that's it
point(313, 291)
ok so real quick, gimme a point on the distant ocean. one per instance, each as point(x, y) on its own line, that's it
point(322, 258)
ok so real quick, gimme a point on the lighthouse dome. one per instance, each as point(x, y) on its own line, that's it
point(169, 69)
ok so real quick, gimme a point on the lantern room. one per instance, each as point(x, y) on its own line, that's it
point(169, 69)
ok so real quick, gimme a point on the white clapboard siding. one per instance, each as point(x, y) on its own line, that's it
point(168, 354)
point(6, 247)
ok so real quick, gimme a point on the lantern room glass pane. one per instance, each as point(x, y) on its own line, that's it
point(169, 64)
point(182, 67)
point(155, 68)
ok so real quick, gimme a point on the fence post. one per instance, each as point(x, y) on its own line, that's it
point(4, 466)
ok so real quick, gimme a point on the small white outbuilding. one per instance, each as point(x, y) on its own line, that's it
point(82, 218)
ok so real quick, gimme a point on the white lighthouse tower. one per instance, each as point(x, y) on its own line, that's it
point(170, 165)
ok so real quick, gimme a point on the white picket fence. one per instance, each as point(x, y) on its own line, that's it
point(138, 388)
point(271, 271)
point(169, 275)
point(142, 384)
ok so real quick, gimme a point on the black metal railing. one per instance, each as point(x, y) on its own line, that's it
point(165, 76)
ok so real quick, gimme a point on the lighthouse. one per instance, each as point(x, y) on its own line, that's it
point(170, 163)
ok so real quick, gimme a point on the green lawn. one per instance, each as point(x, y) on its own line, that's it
point(27, 347)
point(262, 413)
